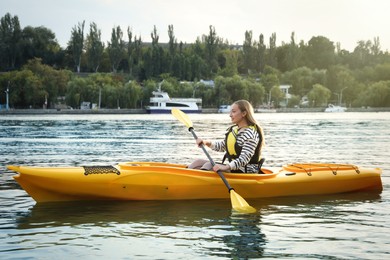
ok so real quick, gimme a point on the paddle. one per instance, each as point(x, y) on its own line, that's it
point(238, 203)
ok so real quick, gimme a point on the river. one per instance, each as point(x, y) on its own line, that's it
point(340, 226)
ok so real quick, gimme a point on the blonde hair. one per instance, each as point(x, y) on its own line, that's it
point(247, 107)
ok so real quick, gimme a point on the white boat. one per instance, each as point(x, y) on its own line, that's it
point(224, 109)
point(333, 108)
point(265, 110)
point(161, 103)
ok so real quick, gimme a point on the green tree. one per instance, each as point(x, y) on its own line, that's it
point(134, 55)
point(288, 55)
point(172, 47)
point(270, 78)
point(10, 41)
point(26, 90)
point(133, 94)
point(197, 65)
point(40, 42)
point(256, 92)
point(261, 54)
point(342, 83)
point(249, 53)
point(366, 53)
point(53, 81)
point(76, 44)
point(382, 72)
point(320, 53)
point(229, 69)
point(94, 47)
point(156, 53)
point(276, 95)
point(301, 80)
point(318, 95)
point(116, 48)
point(271, 54)
point(212, 42)
point(376, 95)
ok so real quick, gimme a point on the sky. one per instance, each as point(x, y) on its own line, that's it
point(341, 21)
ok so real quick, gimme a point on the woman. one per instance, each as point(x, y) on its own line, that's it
point(242, 144)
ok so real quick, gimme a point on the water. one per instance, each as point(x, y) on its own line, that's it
point(343, 226)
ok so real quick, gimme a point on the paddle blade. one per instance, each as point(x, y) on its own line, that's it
point(182, 117)
point(239, 204)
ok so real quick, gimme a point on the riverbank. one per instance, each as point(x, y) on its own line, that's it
point(143, 111)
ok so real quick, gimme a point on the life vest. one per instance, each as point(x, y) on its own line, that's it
point(233, 150)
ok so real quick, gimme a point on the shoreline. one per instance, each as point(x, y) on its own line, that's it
point(143, 111)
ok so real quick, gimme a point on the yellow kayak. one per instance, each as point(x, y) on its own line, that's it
point(165, 181)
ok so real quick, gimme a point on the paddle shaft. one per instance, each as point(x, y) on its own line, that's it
point(191, 129)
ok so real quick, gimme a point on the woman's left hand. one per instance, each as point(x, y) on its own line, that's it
point(221, 167)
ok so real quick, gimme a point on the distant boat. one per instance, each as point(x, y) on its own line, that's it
point(265, 110)
point(333, 108)
point(224, 109)
point(161, 103)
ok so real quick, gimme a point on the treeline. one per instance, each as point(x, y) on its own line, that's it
point(124, 71)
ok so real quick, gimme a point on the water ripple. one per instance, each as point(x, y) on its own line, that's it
point(342, 226)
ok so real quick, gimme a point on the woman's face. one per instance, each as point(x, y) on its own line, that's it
point(237, 116)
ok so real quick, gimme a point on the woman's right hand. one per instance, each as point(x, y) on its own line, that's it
point(200, 141)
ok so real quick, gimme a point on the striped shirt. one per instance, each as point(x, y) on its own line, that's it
point(248, 139)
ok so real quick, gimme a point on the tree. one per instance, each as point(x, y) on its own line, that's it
point(155, 55)
point(211, 48)
point(288, 55)
point(76, 44)
point(320, 53)
point(116, 48)
point(256, 92)
point(276, 95)
point(301, 80)
point(35, 84)
point(94, 47)
point(270, 78)
point(39, 42)
point(260, 56)
point(10, 41)
point(134, 53)
point(342, 83)
point(132, 94)
point(130, 50)
point(229, 69)
point(172, 47)
point(376, 95)
point(271, 55)
point(248, 53)
point(318, 95)
point(26, 89)
point(196, 63)
point(74, 95)
point(53, 81)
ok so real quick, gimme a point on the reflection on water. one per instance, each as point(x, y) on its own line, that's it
point(248, 240)
point(208, 227)
point(342, 226)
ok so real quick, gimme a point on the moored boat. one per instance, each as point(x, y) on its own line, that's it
point(165, 181)
point(162, 103)
point(224, 109)
point(333, 108)
point(265, 110)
